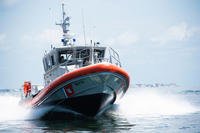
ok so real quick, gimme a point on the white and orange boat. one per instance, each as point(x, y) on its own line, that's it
point(81, 79)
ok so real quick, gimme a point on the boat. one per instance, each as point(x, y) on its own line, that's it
point(81, 79)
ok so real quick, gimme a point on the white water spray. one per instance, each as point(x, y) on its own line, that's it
point(148, 102)
point(10, 110)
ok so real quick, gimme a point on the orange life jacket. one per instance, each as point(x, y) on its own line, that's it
point(27, 88)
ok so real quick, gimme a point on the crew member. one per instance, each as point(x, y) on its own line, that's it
point(27, 88)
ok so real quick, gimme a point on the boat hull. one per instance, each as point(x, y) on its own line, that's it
point(89, 105)
point(89, 94)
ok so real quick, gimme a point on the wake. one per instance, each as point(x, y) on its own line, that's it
point(148, 102)
point(138, 102)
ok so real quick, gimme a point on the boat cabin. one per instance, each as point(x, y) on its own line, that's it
point(64, 59)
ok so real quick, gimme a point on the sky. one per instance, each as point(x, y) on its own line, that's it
point(158, 40)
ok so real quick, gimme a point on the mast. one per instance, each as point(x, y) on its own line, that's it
point(83, 26)
point(65, 23)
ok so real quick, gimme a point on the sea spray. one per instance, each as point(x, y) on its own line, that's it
point(151, 102)
point(10, 109)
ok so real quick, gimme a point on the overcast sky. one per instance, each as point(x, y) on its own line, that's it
point(158, 40)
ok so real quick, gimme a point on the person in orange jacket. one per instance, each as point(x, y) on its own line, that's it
point(27, 88)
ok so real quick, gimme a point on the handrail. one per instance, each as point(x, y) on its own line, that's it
point(114, 55)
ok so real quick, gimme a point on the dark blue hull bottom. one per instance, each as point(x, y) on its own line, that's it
point(89, 105)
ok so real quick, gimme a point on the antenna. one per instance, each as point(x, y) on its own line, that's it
point(65, 23)
point(63, 11)
point(82, 14)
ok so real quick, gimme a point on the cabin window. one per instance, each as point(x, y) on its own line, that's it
point(48, 63)
point(99, 53)
point(83, 53)
point(69, 56)
point(62, 58)
point(52, 60)
point(45, 65)
point(65, 56)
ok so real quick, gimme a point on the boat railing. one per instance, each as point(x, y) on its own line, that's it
point(114, 57)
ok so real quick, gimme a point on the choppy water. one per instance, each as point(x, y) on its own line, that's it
point(155, 110)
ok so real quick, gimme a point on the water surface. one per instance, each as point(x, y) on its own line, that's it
point(167, 109)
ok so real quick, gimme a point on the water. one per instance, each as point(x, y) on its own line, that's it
point(171, 109)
